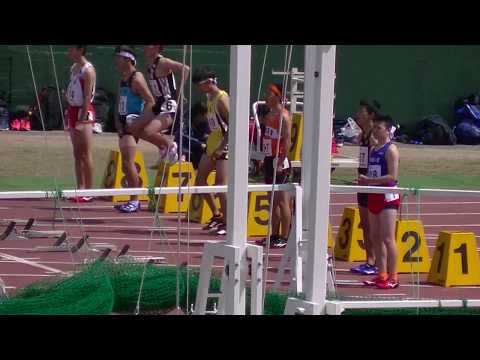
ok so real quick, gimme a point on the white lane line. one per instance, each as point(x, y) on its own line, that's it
point(127, 218)
point(128, 226)
point(30, 263)
point(27, 275)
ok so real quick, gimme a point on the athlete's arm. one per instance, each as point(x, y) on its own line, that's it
point(140, 87)
point(87, 92)
point(118, 126)
point(286, 133)
point(392, 157)
point(179, 69)
point(223, 106)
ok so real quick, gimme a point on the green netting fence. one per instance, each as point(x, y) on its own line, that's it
point(106, 287)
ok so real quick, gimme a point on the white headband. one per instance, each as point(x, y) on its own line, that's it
point(127, 55)
point(213, 80)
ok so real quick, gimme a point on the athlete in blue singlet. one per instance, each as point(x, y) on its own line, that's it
point(133, 96)
point(383, 208)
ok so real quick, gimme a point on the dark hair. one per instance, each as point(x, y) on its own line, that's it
point(126, 48)
point(82, 47)
point(199, 109)
point(371, 106)
point(385, 119)
point(202, 74)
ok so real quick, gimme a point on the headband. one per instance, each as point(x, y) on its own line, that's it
point(127, 55)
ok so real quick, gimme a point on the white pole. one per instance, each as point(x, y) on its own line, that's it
point(237, 196)
point(318, 112)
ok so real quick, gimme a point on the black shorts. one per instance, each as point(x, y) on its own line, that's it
point(283, 176)
point(362, 199)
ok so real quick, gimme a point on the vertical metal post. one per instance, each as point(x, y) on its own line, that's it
point(237, 196)
point(318, 112)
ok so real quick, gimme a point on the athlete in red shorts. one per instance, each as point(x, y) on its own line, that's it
point(383, 208)
point(80, 116)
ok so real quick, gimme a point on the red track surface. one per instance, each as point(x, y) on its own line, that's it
point(19, 266)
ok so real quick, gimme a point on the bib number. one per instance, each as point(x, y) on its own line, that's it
point(374, 171)
point(267, 147)
point(122, 105)
point(363, 157)
point(168, 106)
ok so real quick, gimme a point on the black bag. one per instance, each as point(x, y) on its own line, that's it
point(102, 102)
point(434, 130)
point(51, 110)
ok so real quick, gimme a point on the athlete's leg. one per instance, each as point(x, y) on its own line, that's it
point(82, 137)
point(378, 244)
point(205, 167)
point(283, 200)
point(221, 179)
point(128, 148)
point(387, 219)
point(364, 224)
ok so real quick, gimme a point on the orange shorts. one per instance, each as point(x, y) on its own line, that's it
point(377, 203)
point(72, 113)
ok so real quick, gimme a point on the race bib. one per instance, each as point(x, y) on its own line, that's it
point(169, 106)
point(374, 171)
point(363, 157)
point(391, 197)
point(122, 105)
point(267, 147)
point(213, 124)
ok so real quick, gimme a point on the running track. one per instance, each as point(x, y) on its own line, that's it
point(19, 266)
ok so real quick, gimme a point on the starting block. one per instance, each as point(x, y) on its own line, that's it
point(349, 244)
point(11, 233)
point(123, 258)
point(82, 246)
point(455, 260)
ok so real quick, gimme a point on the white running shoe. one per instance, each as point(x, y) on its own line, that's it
point(97, 128)
point(171, 156)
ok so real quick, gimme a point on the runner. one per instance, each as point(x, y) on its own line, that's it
point(160, 116)
point(281, 212)
point(133, 94)
point(383, 208)
point(366, 113)
point(80, 117)
point(216, 153)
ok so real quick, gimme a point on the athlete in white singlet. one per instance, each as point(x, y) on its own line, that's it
point(80, 116)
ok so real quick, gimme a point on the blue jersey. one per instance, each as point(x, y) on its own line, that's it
point(128, 102)
point(377, 163)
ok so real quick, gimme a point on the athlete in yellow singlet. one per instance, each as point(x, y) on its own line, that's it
point(216, 154)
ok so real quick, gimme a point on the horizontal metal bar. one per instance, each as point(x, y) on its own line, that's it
point(333, 307)
point(139, 191)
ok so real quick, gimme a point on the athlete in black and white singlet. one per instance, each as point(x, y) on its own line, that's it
point(163, 89)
